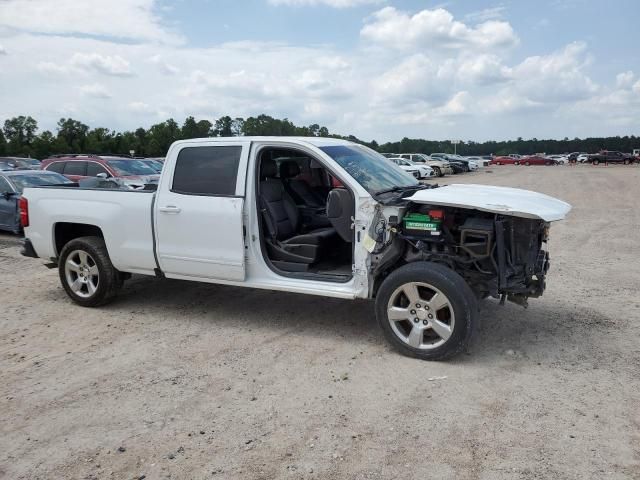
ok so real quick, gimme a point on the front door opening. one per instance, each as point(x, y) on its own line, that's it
point(305, 216)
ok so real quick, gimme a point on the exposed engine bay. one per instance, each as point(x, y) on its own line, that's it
point(502, 256)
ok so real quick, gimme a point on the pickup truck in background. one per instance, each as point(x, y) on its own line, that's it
point(314, 215)
point(610, 156)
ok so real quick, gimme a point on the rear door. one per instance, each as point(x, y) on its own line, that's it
point(199, 211)
point(75, 169)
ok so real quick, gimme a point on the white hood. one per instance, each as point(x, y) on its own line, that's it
point(503, 200)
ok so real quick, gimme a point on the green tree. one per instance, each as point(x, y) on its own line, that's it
point(74, 133)
point(19, 133)
point(193, 129)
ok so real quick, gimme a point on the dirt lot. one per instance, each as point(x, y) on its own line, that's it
point(181, 380)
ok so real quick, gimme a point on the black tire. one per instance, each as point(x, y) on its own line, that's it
point(458, 294)
point(596, 162)
point(625, 161)
point(109, 280)
point(516, 163)
point(438, 172)
point(527, 163)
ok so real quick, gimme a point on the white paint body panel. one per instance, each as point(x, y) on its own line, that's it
point(503, 200)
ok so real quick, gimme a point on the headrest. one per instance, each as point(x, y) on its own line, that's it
point(268, 168)
point(289, 169)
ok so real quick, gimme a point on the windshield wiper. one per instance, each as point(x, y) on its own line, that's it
point(398, 188)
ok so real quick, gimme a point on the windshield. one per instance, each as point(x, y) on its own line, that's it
point(370, 169)
point(157, 166)
point(131, 167)
point(20, 182)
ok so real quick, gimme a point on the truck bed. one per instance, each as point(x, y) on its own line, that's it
point(123, 216)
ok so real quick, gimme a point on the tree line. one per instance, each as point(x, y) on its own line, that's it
point(20, 136)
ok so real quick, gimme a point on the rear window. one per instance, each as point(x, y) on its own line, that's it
point(38, 179)
point(207, 170)
point(75, 168)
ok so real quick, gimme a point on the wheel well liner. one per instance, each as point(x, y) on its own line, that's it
point(64, 232)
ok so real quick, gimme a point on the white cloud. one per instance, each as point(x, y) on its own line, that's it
point(95, 90)
point(329, 3)
point(126, 19)
point(3, 51)
point(165, 67)
point(430, 30)
point(492, 13)
point(624, 79)
point(105, 64)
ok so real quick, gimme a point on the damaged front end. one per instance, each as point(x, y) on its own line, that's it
point(500, 253)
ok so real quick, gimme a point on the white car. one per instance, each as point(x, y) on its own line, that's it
point(559, 159)
point(359, 228)
point(424, 171)
point(583, 157)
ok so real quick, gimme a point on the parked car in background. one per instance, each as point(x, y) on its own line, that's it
point(440, 166)
point(515, 156)
point(6, 165)
point(573, 156)
point(22, 163)
point(558, 159)
point(11, 185)
point(583, 157)
point(133, 172)
point(611, 156)
point(470, 165)
point(423, 171)
point(536, 160)
point(482, 162)
point(505, 160)
point(153, 163)
point(456, 165)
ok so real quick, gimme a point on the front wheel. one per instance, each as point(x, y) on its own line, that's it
point(426, 311)
point(86, 272)
point(437, 171)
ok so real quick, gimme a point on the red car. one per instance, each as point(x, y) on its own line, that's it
point(505, 161)
point(537, 160)
point(133, 173)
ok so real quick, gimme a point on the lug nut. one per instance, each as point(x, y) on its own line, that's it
point(425, 322)
point(417, 305)
point(430, 316)
point(416, 320)
point(426, 307)
point(413, 312)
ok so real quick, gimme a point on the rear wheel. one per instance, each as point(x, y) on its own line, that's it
point(625, 161)
point(516, 163)
point(527, 163)
point(426, 311)
point(86, 272)
point(437, 171)
point(596, 162)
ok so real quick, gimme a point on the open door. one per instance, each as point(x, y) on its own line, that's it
point(199, 211)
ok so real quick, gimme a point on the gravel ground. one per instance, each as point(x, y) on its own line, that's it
point(182, 380)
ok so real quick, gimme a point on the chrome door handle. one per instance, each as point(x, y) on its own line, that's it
point(170, 209)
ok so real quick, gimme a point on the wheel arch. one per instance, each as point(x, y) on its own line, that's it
point(64, 232)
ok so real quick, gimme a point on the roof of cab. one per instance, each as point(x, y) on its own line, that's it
point(315, 141)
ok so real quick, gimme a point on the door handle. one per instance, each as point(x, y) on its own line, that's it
point(170, 209)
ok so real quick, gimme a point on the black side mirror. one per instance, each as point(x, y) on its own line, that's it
point(7, 195)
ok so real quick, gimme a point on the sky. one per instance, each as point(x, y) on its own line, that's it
point(378, 69)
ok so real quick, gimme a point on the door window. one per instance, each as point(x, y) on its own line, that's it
point(75, 168)
point(207, 171)
point(57, 167)
point(93, 169)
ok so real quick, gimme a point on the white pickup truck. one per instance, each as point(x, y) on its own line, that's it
point(308, 215)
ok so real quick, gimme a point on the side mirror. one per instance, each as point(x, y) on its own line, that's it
point(7, 195)
point(102, 175)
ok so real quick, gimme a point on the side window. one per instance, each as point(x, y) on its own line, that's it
point(207, 170)
point(55, 167)
point(93, 169)
point(4, 186)
point(75, 168)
